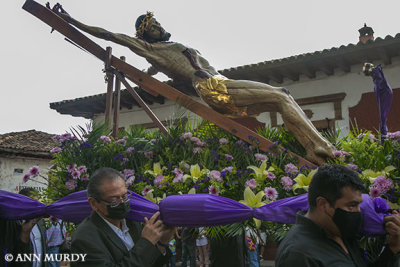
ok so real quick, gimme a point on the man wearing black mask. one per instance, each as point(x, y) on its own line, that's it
point(107, 238)
point(327, 234)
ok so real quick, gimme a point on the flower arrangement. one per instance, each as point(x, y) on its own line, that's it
point(208, 160)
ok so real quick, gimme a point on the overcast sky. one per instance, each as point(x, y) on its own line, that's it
point(39, 68)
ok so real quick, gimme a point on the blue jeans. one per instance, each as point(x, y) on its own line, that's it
point(54, 251)
point(253, 258)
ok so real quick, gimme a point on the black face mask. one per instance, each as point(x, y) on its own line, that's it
point(119, 212)
point(349, 223)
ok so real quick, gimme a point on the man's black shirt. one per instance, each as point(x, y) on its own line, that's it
point(307, 245)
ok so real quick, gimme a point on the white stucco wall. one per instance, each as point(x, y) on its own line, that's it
point(169, 111)
point(12, 181)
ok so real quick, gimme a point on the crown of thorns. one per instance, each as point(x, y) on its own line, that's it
point(145, 24)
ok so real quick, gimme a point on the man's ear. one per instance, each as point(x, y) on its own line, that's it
point(93, 203)
point(322, 204)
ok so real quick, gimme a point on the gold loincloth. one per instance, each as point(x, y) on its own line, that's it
point(214, 92)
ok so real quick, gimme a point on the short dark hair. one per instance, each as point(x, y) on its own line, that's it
point(97, 179)
point(27, 191)
point(329, 181)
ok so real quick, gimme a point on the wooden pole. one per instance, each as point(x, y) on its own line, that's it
point(142, 104)
point(117, 100)
point(110, 84)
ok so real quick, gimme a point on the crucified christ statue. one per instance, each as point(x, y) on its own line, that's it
point(234, 98)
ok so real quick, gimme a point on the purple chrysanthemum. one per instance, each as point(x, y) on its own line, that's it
point(260, 157)
point(215, 176)
point(252, 183)
point(130, 180)
point(158, 180)
point(55, 150)
point(228, 157)
point(291, 169)
point(70, 184)
point(34, 171)
point(213, 190)
point(75, 174)
point(130, 150)
point(71, 168)
point(271, 193)
point(227, 169)
point(128, 173)
point(271, 176)
point(354, 167)
point(26, 177)
point(187, 135)
point(85, 177)
point(223, 141)
point(82, 169)
point(105, 139)
point(374, 192)
point(146, 190)
point(287, 183)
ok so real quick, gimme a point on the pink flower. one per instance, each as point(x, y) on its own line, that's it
point(130, 181)
point(34, 171)
point(130, 150)
point(195, 139)
point(75, 174)
point(271, 176)
point(374, 192)
point(215, 176)
point(71, 168)
point(148, 154)
point(122, 142)
point(177, 171)
point(26, 177)
point(187, 135)
point(200, 143)
point(82, 168)
point(223, 141)
point(228, 157)
point(105, 139)
point(197, 150)
point(287, 183)
point(213, 190)
point(128, 173)
point(146, 190)
point(158, 180)
point(70, 184)
point(178, 179)
point(354, 167)
point(291, 169)
point(337, 153)
point(227, 169)
point(85, 177)
point(271, 193)
point(252, 183)
point(55, 150)
point(260, 157)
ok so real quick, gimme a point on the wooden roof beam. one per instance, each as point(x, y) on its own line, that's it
point(274, 76)
point(327, 69)
point(343, 64)
point(383, 53)
point(307, 71)
point(292, 75)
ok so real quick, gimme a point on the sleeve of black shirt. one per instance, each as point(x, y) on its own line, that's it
point(298, 259)
point(387, 259)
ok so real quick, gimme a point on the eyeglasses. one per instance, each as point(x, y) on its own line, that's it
point(123, 199)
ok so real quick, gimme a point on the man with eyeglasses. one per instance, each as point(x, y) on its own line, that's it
point(107, 238)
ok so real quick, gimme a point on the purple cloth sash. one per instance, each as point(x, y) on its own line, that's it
point(384, 96)
point(186, 210)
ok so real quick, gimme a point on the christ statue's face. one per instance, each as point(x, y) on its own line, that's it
point(156, 31)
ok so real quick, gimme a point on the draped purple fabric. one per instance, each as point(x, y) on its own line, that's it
point(141, 207)
point(202, 210)
point(282, 210)
point(186, 210)
point(16, 207)
point(73, 208)
point(384, 96)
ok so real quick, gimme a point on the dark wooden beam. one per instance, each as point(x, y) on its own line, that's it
point(110, 85)
point(343, 64)
point(326, 68)
point(384, 55)
point(307, 71)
